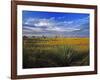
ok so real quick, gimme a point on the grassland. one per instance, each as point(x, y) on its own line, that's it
point(55, 52)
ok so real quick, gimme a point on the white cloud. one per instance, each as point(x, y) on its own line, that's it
point(59, 29)
point(33, 29)
point(29, 21)
point(52, 25)
point(43, 23)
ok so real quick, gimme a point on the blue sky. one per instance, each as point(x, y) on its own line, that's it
point(50, 24)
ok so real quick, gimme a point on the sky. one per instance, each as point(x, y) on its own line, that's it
point(50, 24)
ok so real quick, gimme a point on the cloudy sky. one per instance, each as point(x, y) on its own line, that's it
point(50, 24)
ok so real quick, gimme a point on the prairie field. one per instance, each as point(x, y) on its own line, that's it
point(40, 52)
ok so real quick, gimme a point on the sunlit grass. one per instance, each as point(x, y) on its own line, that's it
point(55, 52)
point(80, 44)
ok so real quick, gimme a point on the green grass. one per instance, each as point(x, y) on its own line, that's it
point(39, 56)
